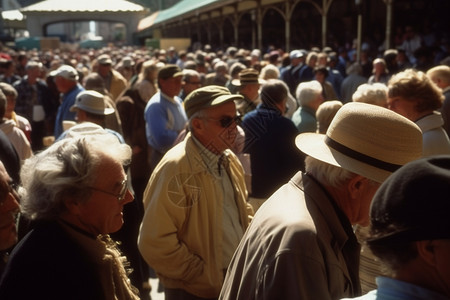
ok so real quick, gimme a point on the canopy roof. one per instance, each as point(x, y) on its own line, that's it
point(83, 6)
point(178, 10)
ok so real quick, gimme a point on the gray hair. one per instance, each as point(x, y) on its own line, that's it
point(67, 168)
point(307, 91)
point(327, 174)
point(274, 91)
point(197, 115)
point(188, 74)
point(371, 93)
point(269, 72)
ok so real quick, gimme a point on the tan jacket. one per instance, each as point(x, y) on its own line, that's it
point(118, 85)
point(181, 233)
point(298, 246)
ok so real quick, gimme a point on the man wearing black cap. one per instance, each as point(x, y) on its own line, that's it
point(410, 232)
point(164, 115)
point(196, 208)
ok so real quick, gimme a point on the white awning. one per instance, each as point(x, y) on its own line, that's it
point(12, 15)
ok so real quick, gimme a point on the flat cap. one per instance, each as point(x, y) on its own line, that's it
point(104, 59)
point(413, 204)
point(169, 71)
point(206, 97)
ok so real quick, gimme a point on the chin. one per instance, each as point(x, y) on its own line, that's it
point(116, 226)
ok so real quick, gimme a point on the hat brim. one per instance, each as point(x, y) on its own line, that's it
point(313, 144)
point(178, 74)
point(225, 98)
point(237, 82)
point(104, 112)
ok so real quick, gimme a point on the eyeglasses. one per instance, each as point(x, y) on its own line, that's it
point(226, 122)
point(123, 190)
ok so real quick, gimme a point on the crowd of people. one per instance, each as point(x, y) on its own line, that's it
point(230, 174)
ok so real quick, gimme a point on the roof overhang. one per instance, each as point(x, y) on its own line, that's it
point(110, 6)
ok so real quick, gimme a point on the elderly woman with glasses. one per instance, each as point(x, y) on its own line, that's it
point(74, 192)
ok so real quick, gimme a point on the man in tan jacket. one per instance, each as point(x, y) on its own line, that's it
point(300, 244)
point(196, 208)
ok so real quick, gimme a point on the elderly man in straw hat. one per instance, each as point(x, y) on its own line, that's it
point(90, 109)
point(196, 208)
point(409, 232)
point(249, 84)
point(300, 244)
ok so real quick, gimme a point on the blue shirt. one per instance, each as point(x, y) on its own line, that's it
point(392, 289)
point(164, 120)
point(304, 119)
point(64, 112)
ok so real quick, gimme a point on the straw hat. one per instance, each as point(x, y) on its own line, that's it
point(93, 102)
point(248, 76)
point(365, 139)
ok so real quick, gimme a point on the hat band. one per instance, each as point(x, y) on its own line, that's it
point(409, 235)
point(360, 156)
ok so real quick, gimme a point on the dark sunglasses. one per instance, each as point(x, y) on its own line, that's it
point(226, 122)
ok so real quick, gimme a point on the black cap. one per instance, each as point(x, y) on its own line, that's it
point(413, 204)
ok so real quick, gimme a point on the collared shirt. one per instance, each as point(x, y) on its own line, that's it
point(232, 229)
point(393, 289)
point(304, 119)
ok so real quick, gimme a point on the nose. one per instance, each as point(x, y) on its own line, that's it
point(11, 204)
point(128, 197)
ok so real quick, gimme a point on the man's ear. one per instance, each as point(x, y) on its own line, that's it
point(197, 124)
point(425, 249)
point(354, 186)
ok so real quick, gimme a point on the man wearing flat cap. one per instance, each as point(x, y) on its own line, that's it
point(115, 83)
point(66, 81)
point(410, 232)
point(300, 244)
point(164, 115)
point(196, 208)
